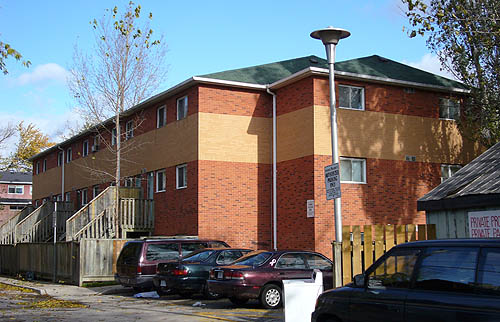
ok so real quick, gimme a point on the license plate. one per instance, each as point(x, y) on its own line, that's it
point(220, 274)
point(163, 283)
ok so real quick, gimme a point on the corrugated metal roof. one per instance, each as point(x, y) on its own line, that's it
point(481, 177)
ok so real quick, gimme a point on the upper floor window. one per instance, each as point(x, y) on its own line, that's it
point(351, 97)
point(449, 109)
point(161, 117)
point(69, 155)
point(161, 180)
point(353, 170)
point(60, 158)
point(448, 170)
point(182, 107)
point(17, 190)
point(67, 196)
point(181, 178)
point(37, 167)
point(95, 145)
point(44, 168)
point(113, 136)
point(129, 130)
point(83, 195)
point(85, 148)
point(95, 191)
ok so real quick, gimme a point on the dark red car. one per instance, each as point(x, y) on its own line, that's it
point(259, 275)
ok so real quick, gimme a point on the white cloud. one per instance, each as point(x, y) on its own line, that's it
point(44, 73)
point(430, 63)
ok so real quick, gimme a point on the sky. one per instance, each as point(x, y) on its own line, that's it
point(202, 37)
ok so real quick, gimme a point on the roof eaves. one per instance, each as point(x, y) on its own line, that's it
point(216, 81)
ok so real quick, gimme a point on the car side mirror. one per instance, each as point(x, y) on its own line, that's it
point(359, 280)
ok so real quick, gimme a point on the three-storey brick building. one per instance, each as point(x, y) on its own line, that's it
point(204, 150)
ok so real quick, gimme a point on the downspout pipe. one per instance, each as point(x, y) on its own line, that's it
point(275, 207)
point(62, 175)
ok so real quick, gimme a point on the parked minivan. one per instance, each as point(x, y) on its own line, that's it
point(438, 280)
point(138, 259)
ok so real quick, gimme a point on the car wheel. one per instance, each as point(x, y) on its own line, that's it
point(210, 295)
point(238, 300)
point(271, 296)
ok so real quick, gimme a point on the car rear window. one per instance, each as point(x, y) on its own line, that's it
point(130, 253)
point(216, 244)
point(199, 256)
point(253, 259)
point(162, 251)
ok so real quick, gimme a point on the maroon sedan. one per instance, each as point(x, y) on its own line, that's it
point(259, 275)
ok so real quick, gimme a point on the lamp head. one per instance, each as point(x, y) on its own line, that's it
point(330, 35)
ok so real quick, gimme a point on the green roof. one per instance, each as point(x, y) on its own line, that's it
point(371, 66)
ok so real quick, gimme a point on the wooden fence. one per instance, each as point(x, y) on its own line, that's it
point(8, 229)
point(136, 215)
point(359, 250)
point(77, 262)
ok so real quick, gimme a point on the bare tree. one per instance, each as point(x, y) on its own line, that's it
point(6, 132)
point(125, 67)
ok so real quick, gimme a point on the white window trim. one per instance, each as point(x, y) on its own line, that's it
point(447, 118)
point(69, 155)
point(15, 188)
point(158, 116)
point(177, 169)
point(129, 130)
point(448, 168)
point(364, 170)
point(83, 193)
point(185, 108)
point(67, 196)
point(95, 191)
point(85, 148)
point(60, 158)
point(37, 167)
point(44, 165)
point(164, 181)
point(362, 97)
point(114, 132)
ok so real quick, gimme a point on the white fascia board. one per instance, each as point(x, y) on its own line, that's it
point(15, 182)
point(206, 80)
point(323, 71)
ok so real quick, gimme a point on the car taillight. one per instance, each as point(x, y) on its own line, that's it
point(212, 274)
point(139, 269)
point(233, 275)
point(179, 272)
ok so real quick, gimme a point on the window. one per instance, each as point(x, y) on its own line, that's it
point(69, 155)
point(95, 146)
point(59, 198)
point(159, 251)
point(188, 248)
point(351, 97)
point(395, 270)
point(182, 107)
point(44, 167)
point(16, 207)
point(448, 170)
point(228, 256)
point(95, 191)
point(449, 109)
point(67, 197)
point(161, 117)
point(353, 170)
point(129, 130)
point(160, 181)
point(37, 168)
point(129, 182)
point(16, 190)
point(291, 261)
point(113, 136)
point(447, 269)
point(318, 262)
point(489, 271)
point(85, 148)
point(83, 195)
point(60, 158)
point(31, 190)
point(181, 177)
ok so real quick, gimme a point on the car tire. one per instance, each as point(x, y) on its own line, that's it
point(238, 300)
point(210, 295)
point(271, 296)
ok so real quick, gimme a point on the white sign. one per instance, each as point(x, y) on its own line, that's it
point(332, 181)
point(484, 224)
point(310, 208)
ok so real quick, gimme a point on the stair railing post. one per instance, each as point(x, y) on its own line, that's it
point(54, 223)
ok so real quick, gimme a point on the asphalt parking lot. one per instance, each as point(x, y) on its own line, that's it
point(115, 303)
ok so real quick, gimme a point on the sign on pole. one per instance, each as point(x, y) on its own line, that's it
point(332, 181)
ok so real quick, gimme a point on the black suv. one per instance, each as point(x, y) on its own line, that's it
point(138, 259)
point(439, 280)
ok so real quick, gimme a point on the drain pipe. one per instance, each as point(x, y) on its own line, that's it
point(275, 211)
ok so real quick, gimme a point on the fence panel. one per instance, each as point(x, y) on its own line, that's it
point(358, 253)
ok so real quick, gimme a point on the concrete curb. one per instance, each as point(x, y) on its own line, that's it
point(17, 283)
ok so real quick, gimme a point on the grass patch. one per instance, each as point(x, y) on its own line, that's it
point(8, 287)
point(47, 302)
point(98, 284)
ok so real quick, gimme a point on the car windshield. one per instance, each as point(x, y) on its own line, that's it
point(199, 256)
point(253, 259)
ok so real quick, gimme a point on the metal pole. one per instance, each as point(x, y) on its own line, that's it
point(330, 55)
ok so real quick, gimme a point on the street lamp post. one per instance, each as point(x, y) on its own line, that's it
point(330, 37)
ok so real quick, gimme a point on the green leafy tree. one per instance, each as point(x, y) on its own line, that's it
point(465, 35)
point(31, 141)
point(7, 51)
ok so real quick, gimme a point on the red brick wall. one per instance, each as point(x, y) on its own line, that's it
point(224, 100)
point(235, 203)
point(295, 96)
point(176, 210)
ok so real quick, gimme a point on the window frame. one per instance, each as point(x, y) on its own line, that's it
point(37, 167)
point(178, 168)
point(450, 102)
point(114, 133)
point(60, 158)
point(164, 114)
point(15, 187)
point(185, 107)
point(85, 148)
point(354, 159)
point(95, 191)
point(164, 181)
point(84, 197)
point(129, 130)
point(350, 87)
point(448, 168)
point(44, 165)
point(69, 155)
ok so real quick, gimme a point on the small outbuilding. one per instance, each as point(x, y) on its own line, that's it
point(468, 203)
